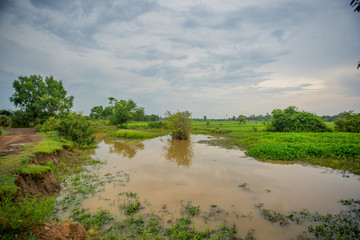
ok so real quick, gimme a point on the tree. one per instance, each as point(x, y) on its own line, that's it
point(123, 112)
point(242, 119)
point(40, 98)
point(292, 120)
point(351, 122)
point(139, 114)
point(97, 112)
point(179, 124)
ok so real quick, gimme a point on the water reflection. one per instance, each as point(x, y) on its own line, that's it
point(125, 149)
point(179, 151)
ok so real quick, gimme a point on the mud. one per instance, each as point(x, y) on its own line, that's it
point(12, 143)
point(60, 231)
point(37, 186)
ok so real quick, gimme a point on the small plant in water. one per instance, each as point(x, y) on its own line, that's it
point(131, 207)
point(191, 210)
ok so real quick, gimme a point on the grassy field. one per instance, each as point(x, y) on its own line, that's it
point(337, 150)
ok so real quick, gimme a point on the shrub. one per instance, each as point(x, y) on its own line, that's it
point(5, 121)
point(75, 128)
point(20, 118)
point(51, 124)
point(292, 120)
point(179, 124)
point(157, 124)
point(351, 123)
point(16, 216)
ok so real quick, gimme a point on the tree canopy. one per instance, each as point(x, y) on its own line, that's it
point(292, 120)
point(40, 98)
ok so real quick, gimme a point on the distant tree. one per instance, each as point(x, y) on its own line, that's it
point(40, 98)
point(123, 112)
point(292, 120)
point(139, 114)
point(151, 118)
point(179, 124)
point(205, 118)
point(351, 123)
point(242, 119)
point(97, 112)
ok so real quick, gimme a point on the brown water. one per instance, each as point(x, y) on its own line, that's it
point(170, 173)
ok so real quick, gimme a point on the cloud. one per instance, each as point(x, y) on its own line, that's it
point(207, 56)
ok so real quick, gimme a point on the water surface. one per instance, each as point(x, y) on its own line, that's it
point(167, 174)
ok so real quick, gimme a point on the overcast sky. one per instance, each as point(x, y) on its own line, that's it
point(218, 58)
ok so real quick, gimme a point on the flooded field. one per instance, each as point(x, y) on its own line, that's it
point(168, 175)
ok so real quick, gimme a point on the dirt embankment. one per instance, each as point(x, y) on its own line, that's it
point(46, 185)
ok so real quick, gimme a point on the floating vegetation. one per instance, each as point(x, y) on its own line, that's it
point(345, 225)
point(190, 209)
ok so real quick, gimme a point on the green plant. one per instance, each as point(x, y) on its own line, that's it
point(36, 170)
point(158, 124)
point(77, 129)
point(16, 216)
point(292, 120)
point(179, 124)
point(5, 121)
point(191, 210)
point(92, 221)
point(40, 98)
point(351, 123)
point(131, 206)
point(133, 134)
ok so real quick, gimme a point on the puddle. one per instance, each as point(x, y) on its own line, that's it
point(166, 175)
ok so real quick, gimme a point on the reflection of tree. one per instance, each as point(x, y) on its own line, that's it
point(126, 149)
point(179, 151)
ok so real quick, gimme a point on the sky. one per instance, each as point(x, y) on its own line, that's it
point(214, 58)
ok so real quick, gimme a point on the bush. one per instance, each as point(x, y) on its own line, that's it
point(51, 124)
point(351, 123)
point(158, 124)
point(292, 120)
point(16, 216)
point(75, 128)
point(179, 124)
point(5, 121)
point(20, 118)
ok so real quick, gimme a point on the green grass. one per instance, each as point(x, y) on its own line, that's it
point(336, 150)
point(36, 170)
point(12, 165)
point(131, 134)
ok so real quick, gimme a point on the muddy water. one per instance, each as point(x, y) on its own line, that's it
point(167, 174)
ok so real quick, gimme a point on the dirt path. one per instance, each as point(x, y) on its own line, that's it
point(13, 142)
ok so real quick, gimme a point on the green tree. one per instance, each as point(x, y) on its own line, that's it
point(350, 123)
point(292, 120)
point(139, 114)
point(179, 124)
point(123, 112)
point(97, 112)
point(242, 119)
point(40, 98)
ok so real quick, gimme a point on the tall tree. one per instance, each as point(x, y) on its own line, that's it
point(40, 98)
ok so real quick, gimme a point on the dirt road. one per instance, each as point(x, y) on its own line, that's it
point(13, 142)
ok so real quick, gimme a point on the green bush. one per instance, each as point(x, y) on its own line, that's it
point(292, 120)
point(157, 124)
point(351, 123)
point(75, 128)
point(20, 118)
point(179, 124)
point(5, 121)
point(51, 124)
point(16, 216)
